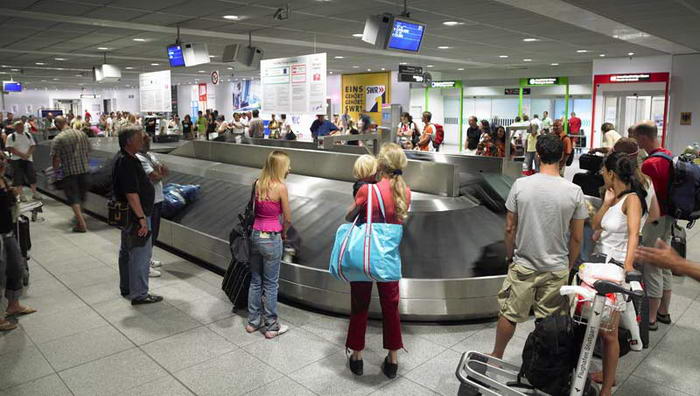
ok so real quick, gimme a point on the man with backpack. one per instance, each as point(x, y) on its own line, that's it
point(659, 167)
point(553, 209)
point(428, 132)
point(21, 145)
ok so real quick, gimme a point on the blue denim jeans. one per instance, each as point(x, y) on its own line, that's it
point(265, 258)
point(134, 263)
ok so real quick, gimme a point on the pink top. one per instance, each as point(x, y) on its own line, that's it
point(267, 216)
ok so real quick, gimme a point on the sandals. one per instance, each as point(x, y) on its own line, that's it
point(663, 318)
point(24, 311)
point(6, 325)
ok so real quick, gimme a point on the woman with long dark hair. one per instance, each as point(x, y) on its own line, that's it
point(620, 217)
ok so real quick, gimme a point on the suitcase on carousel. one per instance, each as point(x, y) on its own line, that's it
point(236, 284)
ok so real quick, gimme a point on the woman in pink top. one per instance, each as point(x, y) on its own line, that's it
point(397, 198)
point(271, 202)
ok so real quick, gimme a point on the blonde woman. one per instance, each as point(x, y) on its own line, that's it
point(271, 201)
point(396, 197)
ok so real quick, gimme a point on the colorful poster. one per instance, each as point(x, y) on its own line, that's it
point(246, 95)
point(366, 91)
point(294, 85)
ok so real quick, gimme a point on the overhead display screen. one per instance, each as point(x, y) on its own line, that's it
point(11, 86)
point(406, 35)
point(175, 56)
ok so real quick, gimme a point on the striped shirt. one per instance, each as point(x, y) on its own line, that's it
point(72, 148)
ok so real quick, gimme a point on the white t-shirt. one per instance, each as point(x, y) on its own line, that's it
point(110, 122)
point(538, 122)
point(20, 142)
point(546, 123)
point(237, 127)
point(148, 168)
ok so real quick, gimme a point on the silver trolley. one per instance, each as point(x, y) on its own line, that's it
point(487, 375)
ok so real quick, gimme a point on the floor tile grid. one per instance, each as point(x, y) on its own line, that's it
point(140, 347)
point(110, 324)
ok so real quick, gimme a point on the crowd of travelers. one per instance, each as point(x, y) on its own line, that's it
point(631, 228)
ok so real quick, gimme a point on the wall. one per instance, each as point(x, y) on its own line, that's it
point(644, 64)
point(37, 98)
point(685, 97)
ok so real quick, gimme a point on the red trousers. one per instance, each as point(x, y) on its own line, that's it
point(360, 295)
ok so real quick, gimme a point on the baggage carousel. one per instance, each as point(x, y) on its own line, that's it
point(452, 250)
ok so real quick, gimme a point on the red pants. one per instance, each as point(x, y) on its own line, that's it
point(360, 295)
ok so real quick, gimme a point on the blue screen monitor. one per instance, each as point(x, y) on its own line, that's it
point(175, 56)
point(405, 35)
point(11, 86)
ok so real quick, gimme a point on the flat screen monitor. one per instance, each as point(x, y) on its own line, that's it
point(175, 56)
point(406, 35)
point(11, 86)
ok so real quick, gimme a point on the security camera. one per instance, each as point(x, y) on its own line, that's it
point(281, 14)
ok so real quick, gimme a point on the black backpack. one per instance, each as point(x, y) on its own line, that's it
point(550, 355)
point(683, 190)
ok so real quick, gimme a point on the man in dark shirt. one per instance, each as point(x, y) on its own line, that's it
point(473, 134)
point(131, 184)
point(316, 124)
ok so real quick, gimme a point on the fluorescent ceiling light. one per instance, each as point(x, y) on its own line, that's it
point(602, 55)
point(555, 64)
point(40, 63)
point(581, 51)
point(460, 68)
point(530, 39)
point(140, 40)
point(503, 56)
point(14, 69)
point(102, 48)
point(339, 57)
point(129, 67)
point(356, 67)
point(229, 68)
point(328, 73)
point(527, 60)
point(55, 79)
point(452, 23)
point(430, 66)
point(232, 17)
point(59, 59)
point(369, 69)
point(630, 53)
point(78, 75)
point(383, 69)
point(444, 47)
point(357, 35)
point(155, 64)
point(403, 63)
point(201, 71)
point(59, 68)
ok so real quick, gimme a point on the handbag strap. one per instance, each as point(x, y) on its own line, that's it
point(380, 199)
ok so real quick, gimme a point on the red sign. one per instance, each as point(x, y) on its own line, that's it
point(630, 78)
point(202, 92)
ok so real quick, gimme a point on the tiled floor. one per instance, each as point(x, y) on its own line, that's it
point(86, 340)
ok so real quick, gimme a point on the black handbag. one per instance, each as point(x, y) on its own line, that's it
point(590, 162)
point(118, 214)
point(239, 238)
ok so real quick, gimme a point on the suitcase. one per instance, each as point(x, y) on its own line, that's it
point(236, 284)
point(25, 244)
point(590, 183)
point(590, 162)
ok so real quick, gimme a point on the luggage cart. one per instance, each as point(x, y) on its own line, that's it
point(486, 375)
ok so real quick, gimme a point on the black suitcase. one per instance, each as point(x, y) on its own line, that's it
point(236, 284)
point(590, 183)
point(590, 162)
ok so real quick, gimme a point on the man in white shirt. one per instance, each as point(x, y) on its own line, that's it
point(546, 123)
point(21, 146)
point(156, 172)
point(110, 125)
point(536, 121)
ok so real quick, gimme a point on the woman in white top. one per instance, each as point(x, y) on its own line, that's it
point(620, 219)
point(404, 131)
point(610, 136)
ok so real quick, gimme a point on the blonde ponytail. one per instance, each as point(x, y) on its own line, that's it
point(392, 162)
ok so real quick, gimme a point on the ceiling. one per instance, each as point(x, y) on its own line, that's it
point(37, 32)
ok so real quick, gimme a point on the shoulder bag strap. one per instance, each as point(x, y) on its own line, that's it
point(368, 236)
point(380, 199)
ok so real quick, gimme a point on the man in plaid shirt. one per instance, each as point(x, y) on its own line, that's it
point(69, 151)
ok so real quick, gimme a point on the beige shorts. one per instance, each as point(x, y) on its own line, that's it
point(656, 279)
point(525, 288)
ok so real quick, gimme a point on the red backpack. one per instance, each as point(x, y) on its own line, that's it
point(439, 135)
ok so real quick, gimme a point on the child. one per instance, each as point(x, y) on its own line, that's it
point(365, 171)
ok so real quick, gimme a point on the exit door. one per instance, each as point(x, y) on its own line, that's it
point(624, 109)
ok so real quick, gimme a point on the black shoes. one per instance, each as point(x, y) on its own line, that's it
point(149, 299)
point(356, 366)
point(390, 369)
point(663, 318)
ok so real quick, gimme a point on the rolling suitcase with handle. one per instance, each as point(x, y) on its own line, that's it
point(236, 284)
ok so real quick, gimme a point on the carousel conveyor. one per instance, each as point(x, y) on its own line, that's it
point(452, 250)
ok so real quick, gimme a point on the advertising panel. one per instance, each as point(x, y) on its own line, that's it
point(294, 85)
point(155, 92)
point(366, 91)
